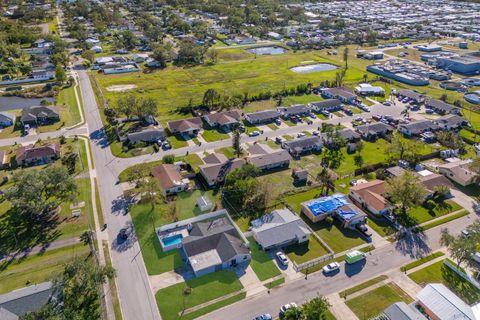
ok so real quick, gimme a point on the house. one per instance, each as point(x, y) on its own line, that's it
point(374, 131)
point(402, 311)
point(438, 302)
point(345, 95)
point(321, 208)
point(370, 196)
point(416, 128)
point(349, 217)
point(441, 107)
point(189, 127)
point(270, 160)
point(7, 119)
point(295, 110)
point(31, 155)
point(279, 229)
point(366, 89)
point(170, 179)
point(347, 134)
point(329, 105)
point(217, 166)
point(97, 49)
point(451, 122)
point(416, 97)
point(458, 171)
point(140, 57)
point(39, 115)
point(225, 120)
point(300, 175)
point(215, 245)
point(304, 144)
point(18, 303)
point(147, 135)
point(431, 181)
point(260, 117)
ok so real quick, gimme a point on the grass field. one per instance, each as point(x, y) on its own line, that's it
point(420, 214)
point(437, 272)
point(369, 283)
point(374, 302)
point(304, 252)
point(441, 221)
point(261, 262)
point(171, 300)
point(421, 261)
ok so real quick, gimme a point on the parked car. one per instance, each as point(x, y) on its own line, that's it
point(387, 103)
point(279, 140)
point(287, 306)
point(124, 233)
point(358, 119)
point(264, 316)
point(278, 122)
point(254, 134)
point(465, 233)
point(331, 267)
point(325, 113)
point(241, 128)
point(316, 133)
point(282, 258)
point(312, 115)
point(363, 230)
point(429, 111)
point(166, 145)
point(300, 134)
point(348, 112)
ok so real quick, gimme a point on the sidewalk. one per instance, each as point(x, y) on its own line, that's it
point(339, 309)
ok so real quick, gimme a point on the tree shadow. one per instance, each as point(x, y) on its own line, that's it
point(121, 204)
point(120, 244)
point(100, 137)
point(413, 244)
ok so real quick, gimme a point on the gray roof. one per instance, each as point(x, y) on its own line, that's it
point(402, 311)
point(29, 299)
point(262, 160)
point(216, 171)
point(326, 104)
point(420, 126)
point(374, 128)
point(451, 119)
point(347, 134)
point(411, 94)
point(279, 227)
point(294, 110)
point(304, 142)
point(340, 92)
point(395, 171)
point(32, 113)
point(4, 116)
point(147, 135)
point(263, 115)
point(440, 105)
point(444, 303)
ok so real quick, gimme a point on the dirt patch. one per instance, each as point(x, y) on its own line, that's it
point(121, 87)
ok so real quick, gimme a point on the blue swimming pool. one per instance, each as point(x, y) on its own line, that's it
point(172, 240)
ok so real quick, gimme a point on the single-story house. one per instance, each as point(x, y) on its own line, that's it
point(416, 128)
point(366, 89)
point(170, 179)
point(441, 107)
point(271, 160)
point(215, 245)
point(147, 135)
point(18, 303)
point(329, 105)
point(349, 217)
point(224, 120)
point(451, 122)
point(458, 171)
point(438, 302)
point(279, 229)
point(403, 311)
point(373, 131)
point(347, 134)
point(140, 57)
point(412, 95)
point(265, 116)
point(31, 155)
point(321, 208)
point(432, 180)
point(344, 94)
point(217, 166)
point(39, 115)
point(304, 144)
point(295, 110)
point(186, 126)
point(370, 196)
point(7, 119)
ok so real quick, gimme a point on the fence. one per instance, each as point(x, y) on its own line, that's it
point(311, 263)
point(462, 274)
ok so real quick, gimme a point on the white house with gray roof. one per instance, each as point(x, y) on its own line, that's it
point(279, 229)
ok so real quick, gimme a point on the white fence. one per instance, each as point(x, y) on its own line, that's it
point(462, 274)
point(313, 262)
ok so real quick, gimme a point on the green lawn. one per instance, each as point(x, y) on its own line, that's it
point(361, 286)
point(381, 226)
point(227, 151)
point(37, 268)
point(441, 221)
point(177, 142)
point(66, 99)
point(374, 302)
point(437, 272)
point(262, 263)
point(304, 252)
point(295, 200)
point(214, 306)
point(421, 261)
point(214, 135)
point(211, 286)
point(420, 214)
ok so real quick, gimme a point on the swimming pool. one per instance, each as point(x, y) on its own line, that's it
point(172, 240)
point(319, 67)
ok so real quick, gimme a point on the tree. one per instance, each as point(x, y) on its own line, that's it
point(70, 161)
point(405, 191)
point(475, 167)
point(237, 148)
point(326, 181)
point(450, 139)
point(80, 284)
point(345, 57)
point(89, 55)
point(146, 107)
point(294, 313)
point(128, 105)
point(334, 142)
point(212, 54)
point(161, 55)
point(36, 192)
point(403, 149)
point(211, 98)
point(358, 160)
point(150, 191)
point(60, 74)
point(190, 54)
point(315, 309)
point(168, 159)
point(461, 248)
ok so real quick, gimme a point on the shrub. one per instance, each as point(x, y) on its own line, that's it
point(168, 159)
point(430, 204)
point(62, 139)
point(329, 220)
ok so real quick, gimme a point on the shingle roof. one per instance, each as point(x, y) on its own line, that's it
point(451, 119)
point(304, 142)
point(215, 158)
point(375, 128)
point(7, 116)
point(372, 193)
point(216, 172)
point(411, 94)
point(185, 124)
point(263, 115)
point(420, 126)
point(225, 117)
point(31, 152)
point(147, 135)
point(294, 110)
point(325, 104)
point(440, 105)
point(32, 113)
point(167, 175)
point(275, 157)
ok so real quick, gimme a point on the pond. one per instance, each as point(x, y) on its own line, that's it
point(13, 103)
point(319, 67)
point(267, 50)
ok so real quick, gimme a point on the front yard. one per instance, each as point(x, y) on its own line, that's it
point(304, 252)
point(262, 263)
point(214, 135)
point(421, 214)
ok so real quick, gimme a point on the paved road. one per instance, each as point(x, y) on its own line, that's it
point(380, 261)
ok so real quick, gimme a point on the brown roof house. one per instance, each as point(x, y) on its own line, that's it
point(265, 159)
point(225, 120)
point(370, 196)
point(31, 155)
point(189, 127)
point(217, 166)
point(458, 171)
point(170, 179)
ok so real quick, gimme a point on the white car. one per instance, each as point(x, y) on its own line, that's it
point(282, 258)
point(300, 135)
point(331, 267)
point(254, 133)
point(290, 305)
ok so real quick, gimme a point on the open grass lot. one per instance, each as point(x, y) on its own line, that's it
point(37, 268)
point(171, 300)
point(437, 272)
point(420, 214)
point(304, 252)
point(262, 263)
point(214, 135)
point(295, 200)
point(374, 302)
point(237, 72)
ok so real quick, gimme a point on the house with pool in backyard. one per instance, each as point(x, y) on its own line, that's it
point(207, 243)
